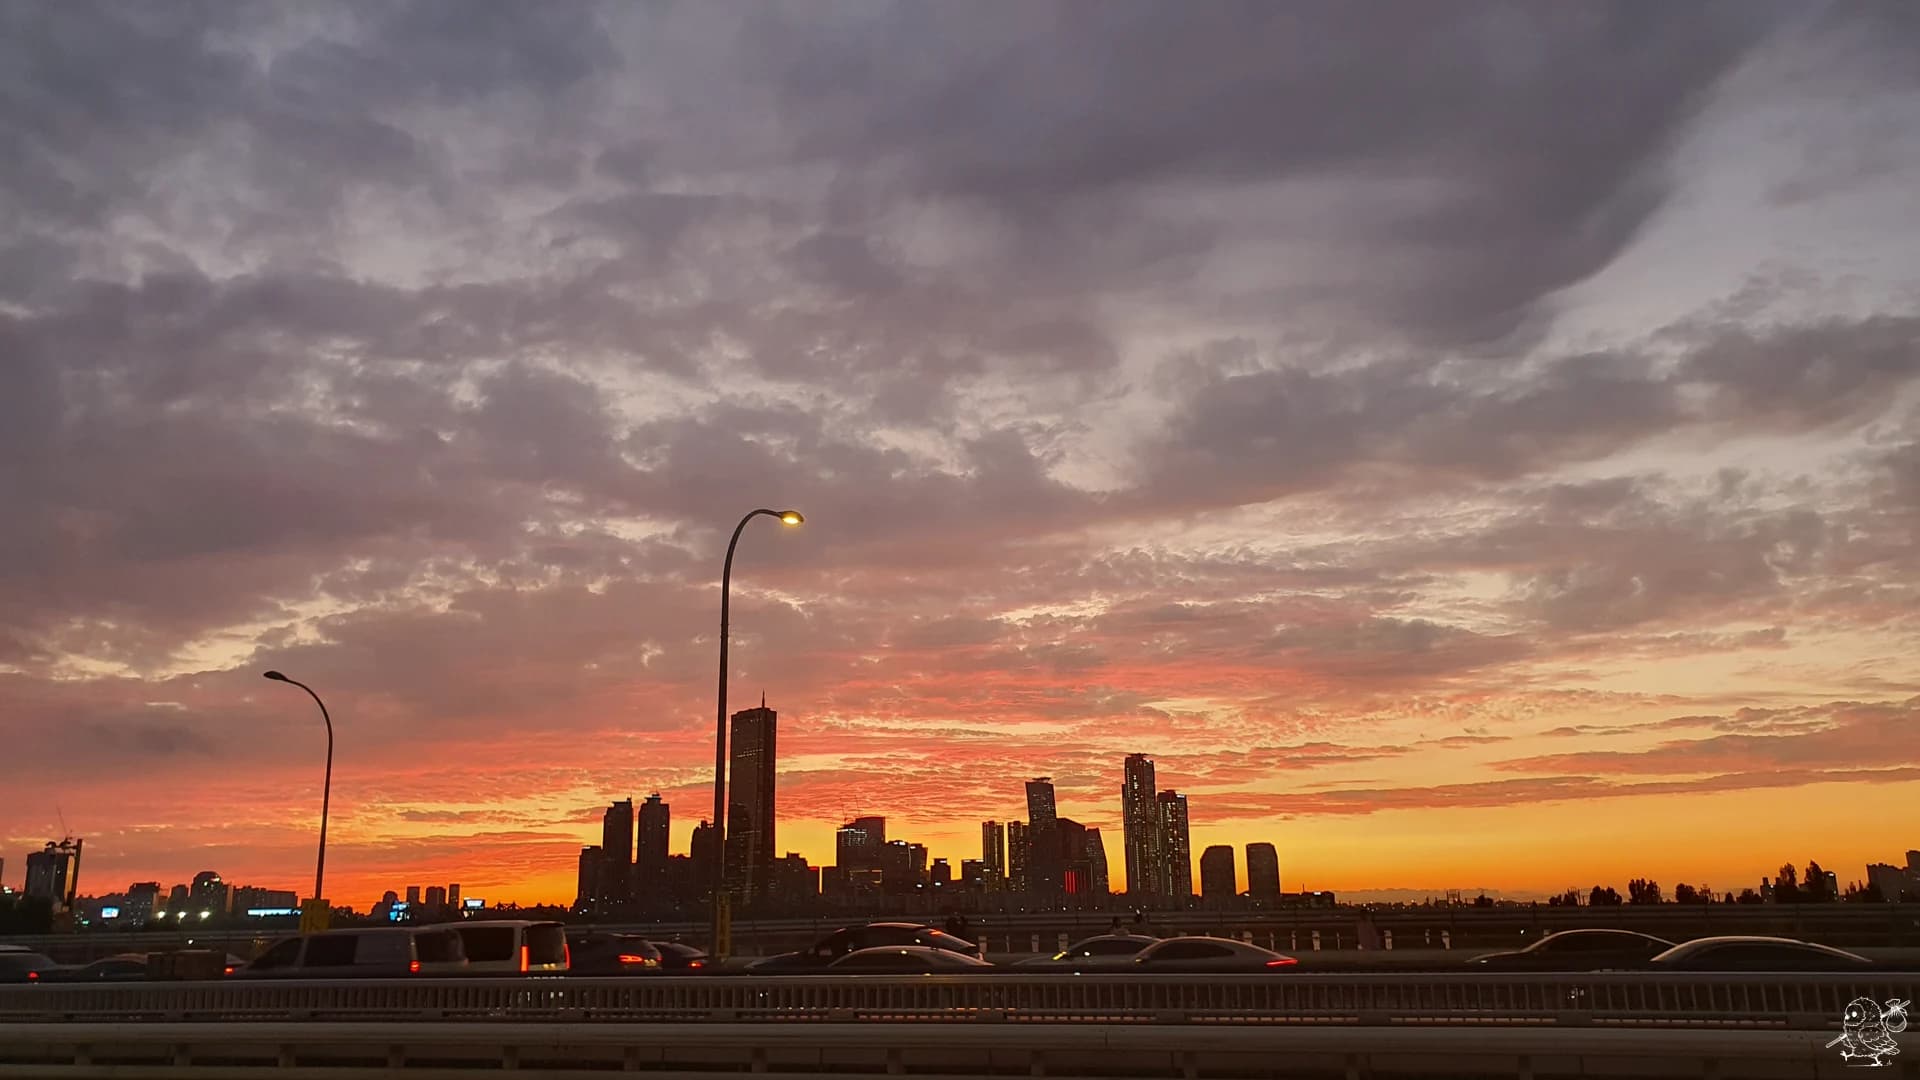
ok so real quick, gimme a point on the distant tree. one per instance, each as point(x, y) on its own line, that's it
point(1643, 891)
point(1788, 877)
point(1731, 900)
point(1815, 891)
point(1570, 898)
point(1872, 894)
point(1600, 897)
point(1482, 901)
point(1748, 896)
point(1684, 893)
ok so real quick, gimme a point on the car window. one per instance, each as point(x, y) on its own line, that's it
point(25, 961)
point(282, 955)
point(437, 947)
point(1582, 943)
point(332, 950)
point(547, 943)
point(1190, 950)
point(487, 944)
point(891, 935)
point(1110, 947)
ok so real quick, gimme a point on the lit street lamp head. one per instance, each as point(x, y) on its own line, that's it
point(275, 676)
point(792, 517)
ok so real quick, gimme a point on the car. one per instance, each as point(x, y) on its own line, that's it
point(1208, 954)
point(1742, 953)
point(25, 965)
point(679, 956)
point(514, 947)
point(908, 960)
point(123, 967)
point(1577, 950)
point(613, 954)
point(1107, 952)
point(849, 939)
point(375, 952)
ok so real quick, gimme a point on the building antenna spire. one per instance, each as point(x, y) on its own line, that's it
point(763, 699)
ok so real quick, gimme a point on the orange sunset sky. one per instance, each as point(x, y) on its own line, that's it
point(1470, 446)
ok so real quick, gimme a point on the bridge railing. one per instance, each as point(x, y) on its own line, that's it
point(1778, 1001)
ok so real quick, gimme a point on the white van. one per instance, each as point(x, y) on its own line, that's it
point(375, 952)
point(514, 946)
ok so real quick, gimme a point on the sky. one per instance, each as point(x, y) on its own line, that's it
point(1468, 445)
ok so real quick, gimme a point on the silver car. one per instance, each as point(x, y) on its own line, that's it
point(1108, 952)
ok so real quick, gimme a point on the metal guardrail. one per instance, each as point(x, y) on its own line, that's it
point(350, 1049)
point(1643, 999)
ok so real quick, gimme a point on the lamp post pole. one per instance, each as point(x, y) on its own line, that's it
point(719, 928)
point(326, 789)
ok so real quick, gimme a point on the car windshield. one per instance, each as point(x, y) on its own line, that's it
point(488, 944)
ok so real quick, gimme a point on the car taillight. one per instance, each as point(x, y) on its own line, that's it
point(33, 976)
point(525, 957)
point(413, 967)
point(229, 970)
point(566, 955)
point(696, 963)
point(1282, 961)
point(636, 958)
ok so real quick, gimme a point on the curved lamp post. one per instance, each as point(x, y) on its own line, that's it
point(787, 517)
point(326, 789)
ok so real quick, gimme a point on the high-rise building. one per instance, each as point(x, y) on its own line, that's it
point(858, 844)
point(1045, 868)
point(1019, 846)
point(1217, 887)
point(436, 898)
point(703, 850)
point(1140, 824)
point(1095, 856)
point(616, 851)
point(143, 898)
point(750, 803)
point(453, 896)
point(1263, 874)
point(178, 900)
point(973, 875)
point(53, 873)
point(993, 852)
point(413, 893)
point(940, 875)
point(896, 867)
point(1071, 836)
point(587, 891)
point(210, 893)
point(794, 882)
point(650, 857)
point(1176, 855)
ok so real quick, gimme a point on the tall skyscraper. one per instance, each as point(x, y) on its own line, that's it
point(1176, 855)
point(616, 851)
point(1217, 886)
point(436, 899)
point(1140, 824)
point(1074, 871)
point(1095, 856)
point(856, 846)
point(1019, 844)
point(587, 889)
point(53, 873)
point(1045, 869)
point(1263, 873)
point(650, 856)
point(749, 843)
point(703, 852)
point(413, 891)
point(993, 853)
point(453, 896)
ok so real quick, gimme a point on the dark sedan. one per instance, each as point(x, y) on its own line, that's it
point(1578, 950)
point(613, 954)
point(1756, 954)
point(1108, 952)
point(25, 965)
point(1208, 954)
point(678, 956)
point(849, 939)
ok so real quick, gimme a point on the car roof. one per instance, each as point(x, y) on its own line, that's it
point(891, 926)
point(1237, 946)
point(1702, 944)
point(1146, 938)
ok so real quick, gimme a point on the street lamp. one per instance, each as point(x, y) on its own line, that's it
point(326, 789)
point(787, 517)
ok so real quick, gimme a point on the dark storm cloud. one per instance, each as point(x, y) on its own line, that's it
point(1529, 142)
